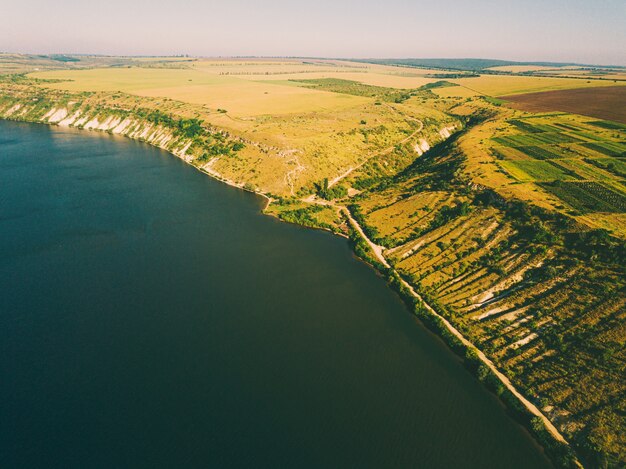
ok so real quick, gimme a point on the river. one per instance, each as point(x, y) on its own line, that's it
point(153, 317)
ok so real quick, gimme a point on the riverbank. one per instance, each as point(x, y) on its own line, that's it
point(159, 138)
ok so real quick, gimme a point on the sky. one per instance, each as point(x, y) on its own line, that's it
point(581, 31)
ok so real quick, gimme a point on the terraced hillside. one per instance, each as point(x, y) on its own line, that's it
point(539, 292)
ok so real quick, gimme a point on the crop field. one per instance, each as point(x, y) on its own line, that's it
point(612, 74)
point(589, 196)
point(530, 170)
point(525, 126)
point(18, 63)
point(609, 125)
point(541, 153)
point(238, 96)
point(532, 68)
point(608, 102)
point(244, 88)
point(564, 162)
point(596, 169)
point(373, 78)
point(505, 85)
point(535, 139)
point(607, 148)
point(610, 163)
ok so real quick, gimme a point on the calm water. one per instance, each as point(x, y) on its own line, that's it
point(152, 317)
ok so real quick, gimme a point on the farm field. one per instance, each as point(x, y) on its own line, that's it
point(607, 73)
point(388, 79)
point(604, 103)
point(531, 68)
point(238, 96)
point(256, 87)
point(506, 85)
point(565, 156)
point(526, 170)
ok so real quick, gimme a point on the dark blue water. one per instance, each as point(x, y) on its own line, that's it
point(151, 317)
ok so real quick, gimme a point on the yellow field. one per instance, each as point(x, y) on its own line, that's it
point(503, 85)
point(369, 78)
point(526, 68)
point(254, 87)
point(608, 75)
point(271, 66)
point(240, 97)
point(245, 88)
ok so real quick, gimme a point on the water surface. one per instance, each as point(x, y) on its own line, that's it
point(152, 317)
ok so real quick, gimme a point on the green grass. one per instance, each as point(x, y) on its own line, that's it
point(355, 88)
point(540, 153)
point(612, 165)
point(589, 136)
point(607, 148)
point(613, 162)
point(608, 125)
point(568, 126)
point(539, 138)
point(533, 170)
point(556, 137)
point(517, 140)
point(438, 84)
point(532, 128)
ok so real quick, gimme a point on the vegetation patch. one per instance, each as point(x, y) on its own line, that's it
point(535, 139)
point(530, 170)
point(607, 148)
point(608, 125)
point(356, 88)
point(438, 84)
point(615, 166)
point(540, 153)
point(588, 196)
point(530, 128)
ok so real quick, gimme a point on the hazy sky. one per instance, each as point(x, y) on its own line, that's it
point(591, 31)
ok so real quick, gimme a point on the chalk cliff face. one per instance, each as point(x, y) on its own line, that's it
point(113, 121)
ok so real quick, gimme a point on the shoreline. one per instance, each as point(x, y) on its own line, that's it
point(406, 292)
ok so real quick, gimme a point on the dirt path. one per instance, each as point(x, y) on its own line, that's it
point(376, 249)
point(291, 175)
